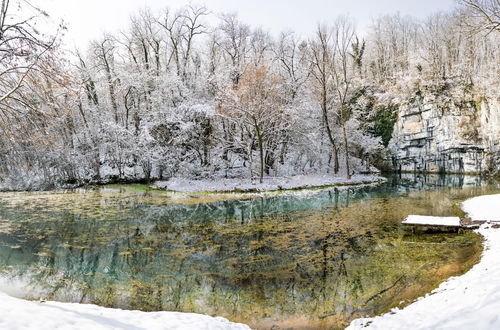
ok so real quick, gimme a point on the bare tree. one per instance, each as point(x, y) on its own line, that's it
point(481, 15)
point(343, 74)
point(393, 40)
point(104, 53)
point(292, 57)
point(193, 26)
point(322, 52)
point(181, 29)
point(260, 45)
point(22, 48)
point(257, 104)
point(234, 41)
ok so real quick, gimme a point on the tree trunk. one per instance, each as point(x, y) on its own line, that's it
point(111, 86)
point(261, 150)
point(348, 171)
point(326, 122)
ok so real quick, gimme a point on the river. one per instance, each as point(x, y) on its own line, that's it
point(309, 259)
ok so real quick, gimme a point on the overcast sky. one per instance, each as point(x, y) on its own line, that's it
point(88, 19)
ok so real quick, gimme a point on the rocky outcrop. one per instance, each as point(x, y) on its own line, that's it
point(447, 130)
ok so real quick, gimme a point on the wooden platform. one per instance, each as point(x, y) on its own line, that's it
point(430, 223)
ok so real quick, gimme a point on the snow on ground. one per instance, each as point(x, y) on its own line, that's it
point(483, 208)
point(18, 314)
point(470, 301)
point(269, 184)
point(432, 221)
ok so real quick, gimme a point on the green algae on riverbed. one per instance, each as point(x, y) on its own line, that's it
point(295, 261)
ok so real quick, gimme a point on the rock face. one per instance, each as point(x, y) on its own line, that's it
point(447, 130)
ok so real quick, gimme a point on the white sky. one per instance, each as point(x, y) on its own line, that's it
point(88, 19)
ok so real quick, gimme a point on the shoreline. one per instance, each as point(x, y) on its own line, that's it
point(469, 301)
point(236, 185)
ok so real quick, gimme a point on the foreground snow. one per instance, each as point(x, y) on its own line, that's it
point(483, 208)
point(17, 314)
point(471, 301)
point(269, 184)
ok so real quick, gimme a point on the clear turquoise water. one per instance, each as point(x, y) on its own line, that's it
point(312, 259)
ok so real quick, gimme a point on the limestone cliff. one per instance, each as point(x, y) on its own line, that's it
point(447, 130)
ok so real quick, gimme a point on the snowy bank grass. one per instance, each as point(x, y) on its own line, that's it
point(470, 301)
point(271, 184)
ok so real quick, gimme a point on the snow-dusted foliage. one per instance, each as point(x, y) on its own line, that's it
point(172, 96)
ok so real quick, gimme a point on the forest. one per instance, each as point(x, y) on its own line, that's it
point(191, 93)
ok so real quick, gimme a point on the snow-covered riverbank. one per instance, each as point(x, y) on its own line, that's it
point(18, 314)
point(269, 184)
point(470, 301)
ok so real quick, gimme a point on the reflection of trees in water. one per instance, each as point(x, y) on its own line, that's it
point(249, 259)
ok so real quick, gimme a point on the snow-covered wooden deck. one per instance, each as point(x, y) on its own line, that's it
point(436, 224)
point(423, 220)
